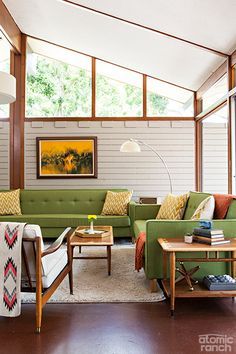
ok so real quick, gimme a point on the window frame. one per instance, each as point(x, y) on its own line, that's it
point(93, 116)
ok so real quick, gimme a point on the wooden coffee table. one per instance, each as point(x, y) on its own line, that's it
point(90, 240)
point(172, 246)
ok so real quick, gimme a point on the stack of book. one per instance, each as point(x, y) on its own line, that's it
point(211, 237)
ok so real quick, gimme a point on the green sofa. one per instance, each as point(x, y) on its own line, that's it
point(54, 210)
point(143, 219)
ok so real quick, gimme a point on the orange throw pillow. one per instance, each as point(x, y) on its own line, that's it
point(222, 203)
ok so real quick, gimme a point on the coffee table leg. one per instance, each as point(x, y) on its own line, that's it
point(109, 259)
point(172, 283)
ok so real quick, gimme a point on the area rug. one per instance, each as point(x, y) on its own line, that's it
point(93, 285)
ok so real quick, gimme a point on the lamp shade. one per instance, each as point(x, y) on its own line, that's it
point(7, 88)
point(130, 146)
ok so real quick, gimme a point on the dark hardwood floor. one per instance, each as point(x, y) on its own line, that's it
point(133, 328)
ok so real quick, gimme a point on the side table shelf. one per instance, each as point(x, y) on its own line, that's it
point(170, 247)
point(182, 291)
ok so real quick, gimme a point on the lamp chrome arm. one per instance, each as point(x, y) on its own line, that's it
point(160, 157)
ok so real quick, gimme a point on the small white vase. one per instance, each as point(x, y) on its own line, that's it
point(91, 230)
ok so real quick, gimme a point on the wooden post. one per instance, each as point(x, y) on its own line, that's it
point(39, 305)
point(172, 282)
point(17, 116)
point(229, 76)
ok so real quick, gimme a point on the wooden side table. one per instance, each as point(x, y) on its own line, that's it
point(171, 246)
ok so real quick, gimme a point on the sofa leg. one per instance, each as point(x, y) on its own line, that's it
point(133, 240)
point(153, 285)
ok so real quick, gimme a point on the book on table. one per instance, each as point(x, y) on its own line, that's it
point(213, 233)
point(209, 241)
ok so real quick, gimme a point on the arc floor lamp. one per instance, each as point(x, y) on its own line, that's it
point(133, 145)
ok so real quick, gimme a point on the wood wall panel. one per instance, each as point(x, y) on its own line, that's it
point(215, 158)
point(4, 155)
point(143, 172)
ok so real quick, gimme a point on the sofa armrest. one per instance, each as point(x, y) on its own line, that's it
point(143, 211)
point(173, 229)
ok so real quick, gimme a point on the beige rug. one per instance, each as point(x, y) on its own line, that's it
point(92, 284)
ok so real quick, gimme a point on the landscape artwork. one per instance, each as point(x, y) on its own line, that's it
point(67, 157)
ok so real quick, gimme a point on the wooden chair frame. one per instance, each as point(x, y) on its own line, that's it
point(43, 295)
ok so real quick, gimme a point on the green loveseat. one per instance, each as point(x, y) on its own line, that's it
point(143, 219)
point(54, 210)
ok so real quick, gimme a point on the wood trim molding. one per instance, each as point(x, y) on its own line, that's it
point(9, 28)
point(198, 156)
point(144, 96)
point(212, 79)
point(233, 58)
point(151, 29)
point(93, 87)
point(230, 174)
point(214, 108)
point(232, 92)
point(108, 119)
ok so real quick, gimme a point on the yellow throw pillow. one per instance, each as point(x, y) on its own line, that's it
point(205, 210)
point(173, 207)
point(116, 203)
point(10, 203)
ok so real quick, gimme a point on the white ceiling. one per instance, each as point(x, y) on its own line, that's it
point(206, 22)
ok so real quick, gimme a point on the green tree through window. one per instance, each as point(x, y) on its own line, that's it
point(57, 89)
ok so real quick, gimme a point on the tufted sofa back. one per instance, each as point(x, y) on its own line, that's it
point(69, 201)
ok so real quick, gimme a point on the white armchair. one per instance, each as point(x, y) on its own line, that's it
point(43, 269)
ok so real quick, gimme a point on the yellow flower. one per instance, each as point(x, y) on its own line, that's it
point(92, 217)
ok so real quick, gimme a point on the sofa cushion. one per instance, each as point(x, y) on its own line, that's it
point(55, 263)
point(231, 214)
point(173, 207)
point(67, 220)
point(205, 210)
point(116, 203)
point(194, 200)
point(10, 203)
point(70, 201)
point(139, 226)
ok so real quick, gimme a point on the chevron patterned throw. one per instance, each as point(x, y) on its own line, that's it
point(10, 268)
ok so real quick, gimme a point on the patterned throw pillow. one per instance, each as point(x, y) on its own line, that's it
point(173, 207)
point(205, 210)
point(10, 203)
point(116, 203)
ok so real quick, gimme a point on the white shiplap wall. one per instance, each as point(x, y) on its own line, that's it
point(215, 157)
point(142, 172)
point(4, 155)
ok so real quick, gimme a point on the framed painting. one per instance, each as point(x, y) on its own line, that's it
point(73, 157)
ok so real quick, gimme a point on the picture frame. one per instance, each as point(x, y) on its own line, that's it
point(66, 157)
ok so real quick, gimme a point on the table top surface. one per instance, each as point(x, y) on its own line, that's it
point(178, 245)
point(90, 240)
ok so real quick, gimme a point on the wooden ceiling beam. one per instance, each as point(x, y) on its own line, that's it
point(200, 46)
point(9, 28)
